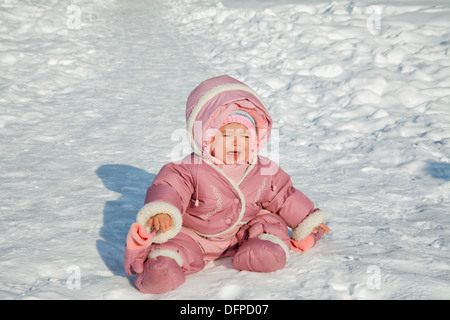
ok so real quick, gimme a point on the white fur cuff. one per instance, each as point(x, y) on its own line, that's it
point(166, 253)
point(152, 209)
point(276, 240)
point(307, 225)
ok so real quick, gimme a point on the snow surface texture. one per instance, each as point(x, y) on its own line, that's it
point(92, 105)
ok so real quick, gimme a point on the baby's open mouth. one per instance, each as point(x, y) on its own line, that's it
point(234, 153)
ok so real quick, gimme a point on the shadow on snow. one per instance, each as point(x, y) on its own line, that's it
point(439, 170)
point(118, 215)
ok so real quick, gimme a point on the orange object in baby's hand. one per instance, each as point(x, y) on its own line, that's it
point(161, 221)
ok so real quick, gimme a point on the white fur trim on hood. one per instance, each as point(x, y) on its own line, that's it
point(307, 225)
point(152, 209)
point(205, 98)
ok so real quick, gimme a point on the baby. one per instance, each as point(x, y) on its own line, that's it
point(221, 200)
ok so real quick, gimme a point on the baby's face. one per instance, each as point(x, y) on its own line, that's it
point(231, 144)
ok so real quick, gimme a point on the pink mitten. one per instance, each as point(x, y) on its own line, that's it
point(309, 242)
point(136, 250)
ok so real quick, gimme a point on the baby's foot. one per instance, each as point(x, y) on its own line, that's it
point(160, 275)
point(259, 256)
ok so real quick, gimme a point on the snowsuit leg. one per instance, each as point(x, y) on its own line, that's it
point(169, 262)
point(263, 244)
point(184, 248)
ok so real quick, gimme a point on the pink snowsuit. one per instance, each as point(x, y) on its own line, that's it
point(213, 215)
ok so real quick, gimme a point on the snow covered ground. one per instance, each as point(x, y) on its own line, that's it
point(92, 105)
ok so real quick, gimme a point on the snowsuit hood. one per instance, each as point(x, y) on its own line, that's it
point(209, 104)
